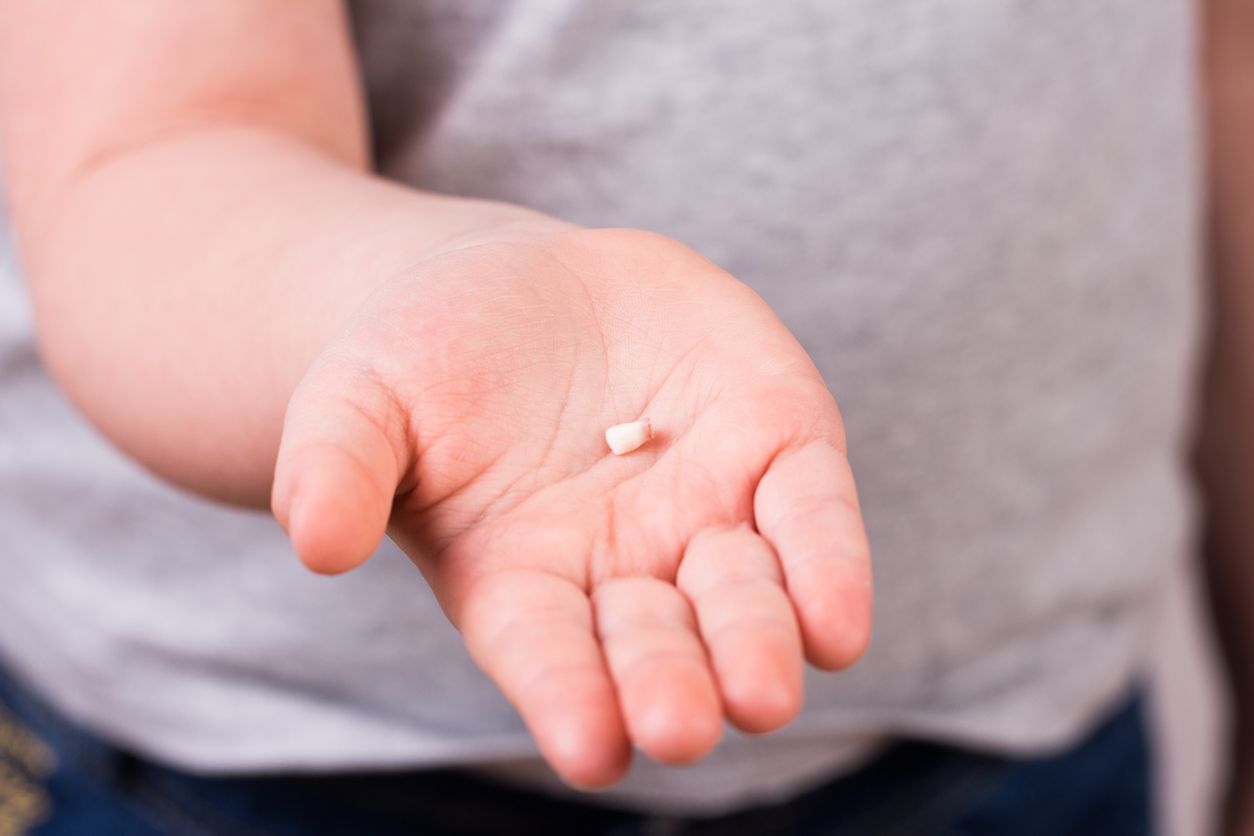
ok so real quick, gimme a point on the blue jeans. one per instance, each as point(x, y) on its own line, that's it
point(57, 779)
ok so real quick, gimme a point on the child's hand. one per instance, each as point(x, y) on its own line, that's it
point(615, 600)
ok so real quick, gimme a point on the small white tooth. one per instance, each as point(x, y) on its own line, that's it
point(623, 438)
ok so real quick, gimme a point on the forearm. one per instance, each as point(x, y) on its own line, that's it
point(1229, 554)
point(1226, 464)
point(182, 287)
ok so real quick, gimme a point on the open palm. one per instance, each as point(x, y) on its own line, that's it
point(615, 600)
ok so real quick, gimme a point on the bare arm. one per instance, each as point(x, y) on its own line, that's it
point(1227, 446)
point(190, 191)
point(223, 288)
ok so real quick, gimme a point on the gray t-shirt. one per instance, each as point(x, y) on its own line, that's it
point(979, 217)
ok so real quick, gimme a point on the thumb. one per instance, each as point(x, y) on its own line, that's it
point(343, 450)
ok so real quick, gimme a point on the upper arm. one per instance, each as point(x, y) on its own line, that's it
point(81, 82)
point(1229, 77)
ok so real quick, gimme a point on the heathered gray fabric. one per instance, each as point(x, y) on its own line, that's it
point(979, 216)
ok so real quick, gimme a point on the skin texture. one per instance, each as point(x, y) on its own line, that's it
point(282, 324)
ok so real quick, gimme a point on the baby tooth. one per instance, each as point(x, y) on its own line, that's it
point(623, 438)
